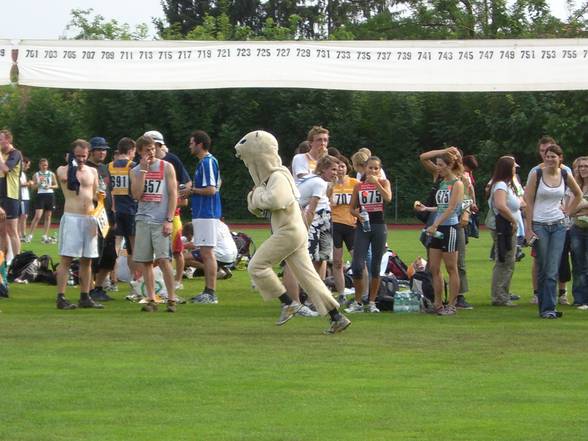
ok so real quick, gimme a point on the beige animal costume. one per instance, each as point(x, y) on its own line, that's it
point(276, 193)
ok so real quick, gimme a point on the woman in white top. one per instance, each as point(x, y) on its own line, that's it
point(45, 182)
point(579, 238)
point(545, 223)
point(505, 206)
point(25, 199)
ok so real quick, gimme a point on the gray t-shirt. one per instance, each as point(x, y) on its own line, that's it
point(152, 207)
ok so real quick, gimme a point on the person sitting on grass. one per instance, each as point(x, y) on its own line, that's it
point(225, 251)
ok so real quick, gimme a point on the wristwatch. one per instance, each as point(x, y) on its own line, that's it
point(169, 219)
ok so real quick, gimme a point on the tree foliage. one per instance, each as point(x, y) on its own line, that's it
point(397, 126)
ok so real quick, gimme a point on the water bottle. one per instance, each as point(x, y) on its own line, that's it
point(436, 234)
point(365, 221)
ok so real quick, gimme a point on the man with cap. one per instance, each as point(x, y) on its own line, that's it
point(106, 260)
point(184, 182)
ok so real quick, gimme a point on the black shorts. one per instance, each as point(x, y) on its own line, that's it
point(343, 233)
point(449, 242)
point(45, 201)
point(125, 227)
point(24, 207)
point(11, 207)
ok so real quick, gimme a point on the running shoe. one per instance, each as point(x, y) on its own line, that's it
point(171, 306)
point(338, 325)
point(204, 298)
point(583, 307)
point(63, 303)
point(462, 303)
point(287, 312)
point(305, 311)
point(535, 300)
point(354, 308)
point(563, 299)
point(89, 303)
point(372, 308)
point(99, 295)
point(150, 306)
point(447, 310)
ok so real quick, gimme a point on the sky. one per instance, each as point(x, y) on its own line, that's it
point(51, 17)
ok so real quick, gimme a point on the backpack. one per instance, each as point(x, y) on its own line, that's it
point(46, 271)
point(24, 267)
point(385, 299)
point(245, 246)
point(422, 283)
point(397, 267)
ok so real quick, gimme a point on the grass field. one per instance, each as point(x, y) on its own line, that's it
point(226, 372)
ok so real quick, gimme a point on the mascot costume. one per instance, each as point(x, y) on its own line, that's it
point(275, 193)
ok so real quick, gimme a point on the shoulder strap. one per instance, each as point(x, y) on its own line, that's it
point(539, 174)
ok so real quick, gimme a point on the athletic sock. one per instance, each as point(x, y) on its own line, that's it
point(563, 292)
point(335, 315)
point(535, 292)
point(84, 296)
point(60, 296)
point(285, 299)
point(208, 290)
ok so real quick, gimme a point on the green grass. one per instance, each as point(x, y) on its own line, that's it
point(226, 372)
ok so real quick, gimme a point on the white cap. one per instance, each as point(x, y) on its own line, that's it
point(155, 135)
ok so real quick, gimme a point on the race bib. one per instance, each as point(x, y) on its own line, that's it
point(101, 217)
point(153, 190)
point(120, 185)
point(370, 198)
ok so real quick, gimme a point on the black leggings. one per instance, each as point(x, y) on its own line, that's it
point(377, 239)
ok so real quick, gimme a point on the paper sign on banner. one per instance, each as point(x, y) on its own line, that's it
point(100, 215)
point(5, 61)
point(444, 65)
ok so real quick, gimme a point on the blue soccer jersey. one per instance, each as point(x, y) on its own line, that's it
point(207, 175)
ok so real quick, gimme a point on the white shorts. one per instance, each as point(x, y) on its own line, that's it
point(205, 232)
point(78, 236)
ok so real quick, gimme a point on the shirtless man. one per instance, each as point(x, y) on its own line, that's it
point(78, 231)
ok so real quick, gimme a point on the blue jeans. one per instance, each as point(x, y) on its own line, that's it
point(549, 249)
point(579, 245)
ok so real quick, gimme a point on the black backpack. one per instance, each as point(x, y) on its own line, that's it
point(24, 266)
point(385, 299)
point(422, 283)
point(46, 271)
point(245, 245)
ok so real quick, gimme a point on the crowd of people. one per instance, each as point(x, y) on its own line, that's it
point(133, 203)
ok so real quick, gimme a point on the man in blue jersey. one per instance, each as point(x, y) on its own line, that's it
point(206, 211)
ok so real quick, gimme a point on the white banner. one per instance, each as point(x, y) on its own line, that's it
point(5, 61)
point(448, 65)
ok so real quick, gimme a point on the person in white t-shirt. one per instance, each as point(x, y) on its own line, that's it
point(45, 182)
point(25, 199)
point(225, 251)
point(304, 164)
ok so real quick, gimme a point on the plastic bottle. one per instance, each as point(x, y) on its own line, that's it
point(365, 221)
point(436, 234)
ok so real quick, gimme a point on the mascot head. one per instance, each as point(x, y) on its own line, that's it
point(259, 151)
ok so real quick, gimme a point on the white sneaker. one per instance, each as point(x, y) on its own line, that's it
point(305, 311)
point(189, 272)
point(179, 286)
point(28, 238)
point(583, 307)
point(372, 308)
point(354, 307)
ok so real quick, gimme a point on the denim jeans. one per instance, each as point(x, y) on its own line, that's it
point(549, 249)
point(579, 244)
